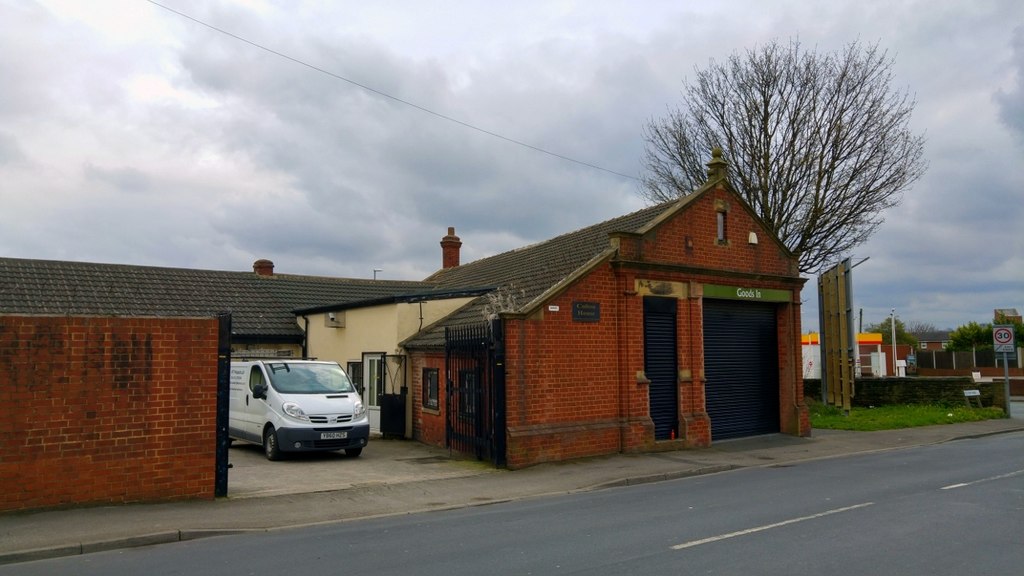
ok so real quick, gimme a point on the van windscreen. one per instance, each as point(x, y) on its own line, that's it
point(304, 378)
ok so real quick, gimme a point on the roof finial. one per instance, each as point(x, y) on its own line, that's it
point(718, 167)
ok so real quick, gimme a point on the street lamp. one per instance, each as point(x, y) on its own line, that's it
point(892, 322)
point(375, 270)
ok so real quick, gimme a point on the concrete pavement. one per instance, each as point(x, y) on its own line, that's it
point(404, 477)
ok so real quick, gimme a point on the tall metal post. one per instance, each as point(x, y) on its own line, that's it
point(892, 321)
point(1006, 383)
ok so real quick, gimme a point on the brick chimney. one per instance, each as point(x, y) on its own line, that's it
point(450, 245)
point(263, 267)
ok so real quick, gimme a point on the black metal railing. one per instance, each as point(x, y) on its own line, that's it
point(475, 391)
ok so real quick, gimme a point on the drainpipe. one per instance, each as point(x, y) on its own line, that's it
point(305, 336)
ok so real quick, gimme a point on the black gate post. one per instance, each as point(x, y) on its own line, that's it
point(220, 482)
point(498, 393)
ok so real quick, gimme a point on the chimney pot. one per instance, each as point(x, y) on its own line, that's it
point(263, 267)
point(450, 245)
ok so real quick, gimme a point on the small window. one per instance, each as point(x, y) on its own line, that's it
point(430, 388)
point(722, 231)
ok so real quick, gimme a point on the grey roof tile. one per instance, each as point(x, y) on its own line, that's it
point(260, 305)
point(264, 306)
point(530, 271)
point(536, 268)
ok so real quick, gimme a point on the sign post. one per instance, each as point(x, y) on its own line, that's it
point(1002, 340)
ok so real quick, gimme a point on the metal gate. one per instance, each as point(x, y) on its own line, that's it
point(741, 366)
point(475, 390)
point(392, 397)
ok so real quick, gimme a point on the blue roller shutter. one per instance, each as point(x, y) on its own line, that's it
point(661, 365)
point(741, 368)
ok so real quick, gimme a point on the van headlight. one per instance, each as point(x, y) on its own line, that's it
point(292, 409)
point(358, 410)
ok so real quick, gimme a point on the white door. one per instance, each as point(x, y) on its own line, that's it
point(373, 386)
point(255, 409)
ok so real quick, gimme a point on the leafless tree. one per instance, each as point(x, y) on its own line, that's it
point(918, 328)
point(818, 144)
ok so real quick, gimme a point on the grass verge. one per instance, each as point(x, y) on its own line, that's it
point(892, 417)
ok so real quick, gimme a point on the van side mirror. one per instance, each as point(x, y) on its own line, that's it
point(259, 391)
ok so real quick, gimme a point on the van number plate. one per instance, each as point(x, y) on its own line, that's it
point(333, 435)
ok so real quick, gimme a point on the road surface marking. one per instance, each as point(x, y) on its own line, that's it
point(693, 543)
point(989, 479)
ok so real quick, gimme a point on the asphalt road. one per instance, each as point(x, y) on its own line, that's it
point(953, 508)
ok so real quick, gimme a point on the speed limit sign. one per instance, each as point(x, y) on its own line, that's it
point(1002, 338)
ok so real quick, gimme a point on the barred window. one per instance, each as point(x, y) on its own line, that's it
point(469, 382)
point(430, 376)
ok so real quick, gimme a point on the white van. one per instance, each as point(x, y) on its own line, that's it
point(295, 406)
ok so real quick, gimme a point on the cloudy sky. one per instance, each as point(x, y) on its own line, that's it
point(130, 134)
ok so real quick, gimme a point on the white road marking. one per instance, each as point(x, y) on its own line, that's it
point(693, 543)
point(989, 479)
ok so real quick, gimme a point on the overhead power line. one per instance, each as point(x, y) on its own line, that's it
point(386, 95)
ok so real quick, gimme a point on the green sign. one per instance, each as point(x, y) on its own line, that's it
point(586, 311)
point(747, 293)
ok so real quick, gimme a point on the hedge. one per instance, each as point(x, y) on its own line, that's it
point(891, 391)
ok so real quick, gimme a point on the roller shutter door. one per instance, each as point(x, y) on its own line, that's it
point(660, 364)
point(741, 368)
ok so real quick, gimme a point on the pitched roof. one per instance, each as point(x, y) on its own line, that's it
point(528, 274)
point(532, 270)
point(432, 336)
point(265, 306)
point(261, 306)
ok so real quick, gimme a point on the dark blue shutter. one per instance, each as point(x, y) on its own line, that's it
point(741, 367)
point(661, 364)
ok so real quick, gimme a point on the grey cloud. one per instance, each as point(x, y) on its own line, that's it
point(433, 169)
point(323, 177)
point(1011, 101)
point(125, 180)
point(10, 151)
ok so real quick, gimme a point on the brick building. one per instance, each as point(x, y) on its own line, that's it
point(667, 328)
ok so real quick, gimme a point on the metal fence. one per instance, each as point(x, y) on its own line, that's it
point(961, 360)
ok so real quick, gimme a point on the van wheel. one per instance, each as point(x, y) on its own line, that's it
point(353, 452)
point(270, 446)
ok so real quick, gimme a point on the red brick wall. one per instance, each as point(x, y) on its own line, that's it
point(563, 379)
point(690, 239)
point(573, 387)
point(106, 410)
point(428, 425)
point(576, 389)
